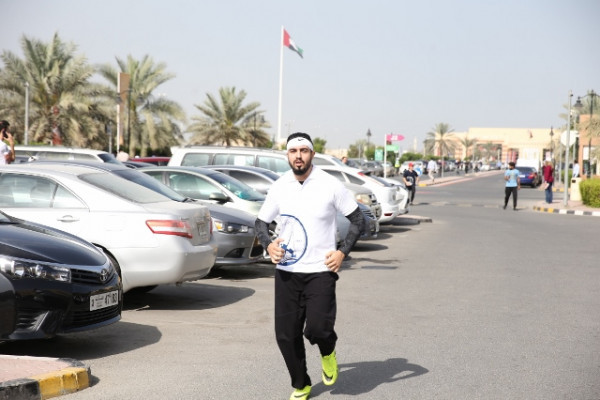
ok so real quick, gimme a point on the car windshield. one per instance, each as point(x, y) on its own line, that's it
point(238, 188)
point(123, 188)
point(525, 170)
point(150, 183)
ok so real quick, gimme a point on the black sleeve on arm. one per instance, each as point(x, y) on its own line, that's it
point(262, 232)
point(357, 226)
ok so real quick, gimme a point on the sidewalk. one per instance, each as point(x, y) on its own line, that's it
point(36, 378)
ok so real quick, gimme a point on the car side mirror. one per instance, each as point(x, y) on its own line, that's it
point(219, 197)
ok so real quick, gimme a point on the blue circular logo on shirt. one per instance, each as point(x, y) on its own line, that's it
point(295, 239)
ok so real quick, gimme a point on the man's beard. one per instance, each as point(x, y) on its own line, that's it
point(300, 171)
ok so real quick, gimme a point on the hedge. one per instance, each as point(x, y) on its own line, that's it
point(590, 192)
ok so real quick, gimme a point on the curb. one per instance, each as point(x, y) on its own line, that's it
point(75, 377)
point(567, 212)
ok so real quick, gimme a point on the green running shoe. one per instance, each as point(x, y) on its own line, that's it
point(301, 394)
point(330, 369)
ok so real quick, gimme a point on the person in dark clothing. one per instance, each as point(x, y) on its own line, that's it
point(513, 184)
point(411, 179)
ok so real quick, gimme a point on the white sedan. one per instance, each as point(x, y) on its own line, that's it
point(151, 239)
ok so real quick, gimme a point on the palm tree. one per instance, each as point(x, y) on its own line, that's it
point(228, 122)
point(152, 121)
point(442, 138)
point(467, 143)
point(63, 106)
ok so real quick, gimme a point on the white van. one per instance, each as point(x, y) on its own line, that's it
point(32, 153)
point(200, 156)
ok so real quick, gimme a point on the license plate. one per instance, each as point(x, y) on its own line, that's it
point(104, 300)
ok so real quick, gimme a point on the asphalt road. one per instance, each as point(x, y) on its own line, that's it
point(481, 303)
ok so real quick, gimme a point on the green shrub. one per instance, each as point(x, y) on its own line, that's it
point(590, 192)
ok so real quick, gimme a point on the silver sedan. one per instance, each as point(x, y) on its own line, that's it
point(151, 239)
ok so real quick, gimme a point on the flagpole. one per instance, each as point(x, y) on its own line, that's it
point(280, 86)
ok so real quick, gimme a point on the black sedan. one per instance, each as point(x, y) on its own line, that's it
point(52, 282)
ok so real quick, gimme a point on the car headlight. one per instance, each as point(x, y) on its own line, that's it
point(230, 227)
point(17, 269)
point(364, 199)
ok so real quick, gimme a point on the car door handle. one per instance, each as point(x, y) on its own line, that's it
point(68, 218)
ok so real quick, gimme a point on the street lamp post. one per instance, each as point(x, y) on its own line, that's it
point(369, 134)
point(568, 142)
point(552, 146)
point(578, 105)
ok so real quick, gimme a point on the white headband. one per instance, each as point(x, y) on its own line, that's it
point(299, 142)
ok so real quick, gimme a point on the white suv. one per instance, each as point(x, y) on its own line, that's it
point(200, 156)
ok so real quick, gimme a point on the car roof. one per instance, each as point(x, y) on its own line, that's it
point(83, 163)
point(59, 149)
point(62, 168)
point(249, 168)
point(197, 170)
point(231, 148)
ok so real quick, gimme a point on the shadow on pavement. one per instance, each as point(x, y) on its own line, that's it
point(188, 296)
point(359, 378)
point(114, 339)
point(265, 269)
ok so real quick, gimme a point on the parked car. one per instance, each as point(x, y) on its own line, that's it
point(388, 195)
point(52, 282)
point(199, 156)
point(233, 230)
point(417, 165)
point(389, 168)
point(63, 153)
point(149, 238)
point(209, 185)
point(363, 196)
point(258, 178)
point(374, 168)
point(529, 176)
point(155, 160)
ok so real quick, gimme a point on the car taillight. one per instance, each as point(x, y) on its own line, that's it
point(170, 227)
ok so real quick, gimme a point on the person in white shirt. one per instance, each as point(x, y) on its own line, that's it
point(432, 169)
point(575, 170)
point(7, 151)
point(304, 203)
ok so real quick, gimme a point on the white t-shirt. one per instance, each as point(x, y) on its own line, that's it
point(4, 150)
point(306, 215)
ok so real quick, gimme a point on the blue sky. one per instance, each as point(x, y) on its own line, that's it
point(389, 66)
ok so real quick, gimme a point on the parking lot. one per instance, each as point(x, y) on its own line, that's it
point(464, 306)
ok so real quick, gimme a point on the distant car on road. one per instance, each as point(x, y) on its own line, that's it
point(52, 282)
point(529, 176)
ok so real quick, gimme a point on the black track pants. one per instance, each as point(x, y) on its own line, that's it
point(304, 305)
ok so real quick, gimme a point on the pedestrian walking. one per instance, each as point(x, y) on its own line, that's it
point(7, 151)
point(575, 170)
point(411, 179)
point(548, 173)
point(512, 186)
point(304, 203)
point(432, 169)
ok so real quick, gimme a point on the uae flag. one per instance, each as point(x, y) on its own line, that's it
point(289, 43)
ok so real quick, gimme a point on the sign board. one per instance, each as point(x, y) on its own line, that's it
point(391, 147)
point(379, 155)
point(392, 137)
point(573, 135)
